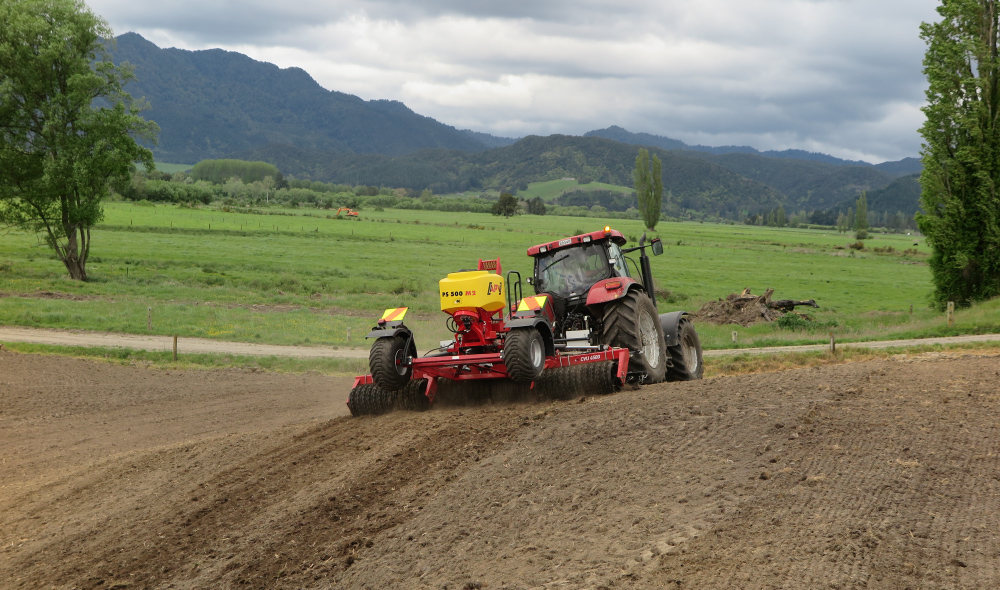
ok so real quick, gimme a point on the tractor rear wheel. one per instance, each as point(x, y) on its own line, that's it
point(686, 355)
point(386, 362)
point(524, 354)
point(632, 323)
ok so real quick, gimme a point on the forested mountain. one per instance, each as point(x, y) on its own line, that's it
point(901, 195)
point(694, 182)
point(213, 103)
point(809, 185)
point(219, 104)
point(895, 169)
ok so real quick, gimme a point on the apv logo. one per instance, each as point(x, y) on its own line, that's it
point(494, 288)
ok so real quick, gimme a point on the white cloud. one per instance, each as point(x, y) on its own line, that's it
point(842, 76)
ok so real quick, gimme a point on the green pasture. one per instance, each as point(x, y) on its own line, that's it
point(298, 276)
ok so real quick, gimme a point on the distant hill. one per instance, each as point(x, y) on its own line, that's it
point(694, 182)
point(808, 185)
point(895, 169)
point(213, 103)
point(901, 195)
point(490, 140)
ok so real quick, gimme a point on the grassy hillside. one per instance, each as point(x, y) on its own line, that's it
point(552, 189)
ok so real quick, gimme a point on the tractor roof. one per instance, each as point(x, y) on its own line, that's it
point(596, 236)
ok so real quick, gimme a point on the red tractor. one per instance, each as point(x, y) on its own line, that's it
point(591, 326)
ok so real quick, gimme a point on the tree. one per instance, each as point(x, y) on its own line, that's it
point(861, 218)
point(961, 152)
point(536, 206)
point(67, 130)
point(842, 223)
point(649, 187)
point(506, 205)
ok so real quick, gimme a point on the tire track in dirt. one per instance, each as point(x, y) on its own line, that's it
point(865, 475)
point(302, 507)
point(889, 507)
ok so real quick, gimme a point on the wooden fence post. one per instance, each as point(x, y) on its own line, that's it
point(833, 344)
point(149, 319)
point(175, 348)
point(951, 314)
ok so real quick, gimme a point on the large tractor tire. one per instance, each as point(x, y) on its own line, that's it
point(385, 361)
point(686, 355)
point(524, 354)
point(632, 323)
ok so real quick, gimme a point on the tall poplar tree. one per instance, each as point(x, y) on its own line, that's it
point(649, 187)
point(67, 129)
point(961, 154)
point(861, 219)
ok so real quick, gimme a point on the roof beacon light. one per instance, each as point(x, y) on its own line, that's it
point(607, 230)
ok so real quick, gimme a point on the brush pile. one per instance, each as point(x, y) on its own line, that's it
point(745, 309)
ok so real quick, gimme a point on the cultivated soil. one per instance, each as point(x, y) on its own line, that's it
point(867, 475)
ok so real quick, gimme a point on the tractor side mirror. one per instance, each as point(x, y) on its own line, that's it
point(657, 246)
point(531, 280)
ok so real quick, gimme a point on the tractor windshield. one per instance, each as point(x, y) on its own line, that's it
point(571, 271)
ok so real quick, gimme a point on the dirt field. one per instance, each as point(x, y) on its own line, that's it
point(866, 475)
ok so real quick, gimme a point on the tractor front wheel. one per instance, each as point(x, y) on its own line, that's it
point(524, 354)
point(632, 323)
point(387, 362)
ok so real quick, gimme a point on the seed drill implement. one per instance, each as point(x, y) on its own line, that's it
point(590, 328)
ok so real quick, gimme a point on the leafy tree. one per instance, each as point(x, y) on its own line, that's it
point(648, 178)
point(536, 206)
point(861, 220)
point(67, 130)
point(961, 153)
point(506, 205)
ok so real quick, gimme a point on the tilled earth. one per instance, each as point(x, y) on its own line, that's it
point(868, 475)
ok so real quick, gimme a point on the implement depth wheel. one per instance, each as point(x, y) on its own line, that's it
point(386, 362)
point(524, 355)
point(632, 323)
point(686, 355)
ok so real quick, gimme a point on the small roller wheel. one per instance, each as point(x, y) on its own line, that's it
point(386, 361)
point(524, 355)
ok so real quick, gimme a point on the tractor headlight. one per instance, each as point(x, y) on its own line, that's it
point(586, 239)
point(543, 249)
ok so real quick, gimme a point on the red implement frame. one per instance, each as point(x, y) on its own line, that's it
point(491, 366)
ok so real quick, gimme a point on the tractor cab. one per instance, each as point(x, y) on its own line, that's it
point(586, 269)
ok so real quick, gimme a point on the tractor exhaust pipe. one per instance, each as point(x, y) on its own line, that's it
point(647, 272)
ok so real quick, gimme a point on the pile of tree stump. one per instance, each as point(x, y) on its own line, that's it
point(746, 309)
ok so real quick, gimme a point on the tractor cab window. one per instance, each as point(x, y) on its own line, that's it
point(620, 264)
point(570, 272)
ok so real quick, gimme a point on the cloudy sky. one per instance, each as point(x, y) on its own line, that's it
point(836, 76)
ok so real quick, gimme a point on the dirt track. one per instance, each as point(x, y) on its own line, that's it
point(204, 345)
point(866, 475)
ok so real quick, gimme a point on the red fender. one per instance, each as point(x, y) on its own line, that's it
point(610, 289)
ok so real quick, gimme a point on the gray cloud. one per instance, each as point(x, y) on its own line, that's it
point(841, 76)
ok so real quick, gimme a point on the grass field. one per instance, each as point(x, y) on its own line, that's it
point(290, 276)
